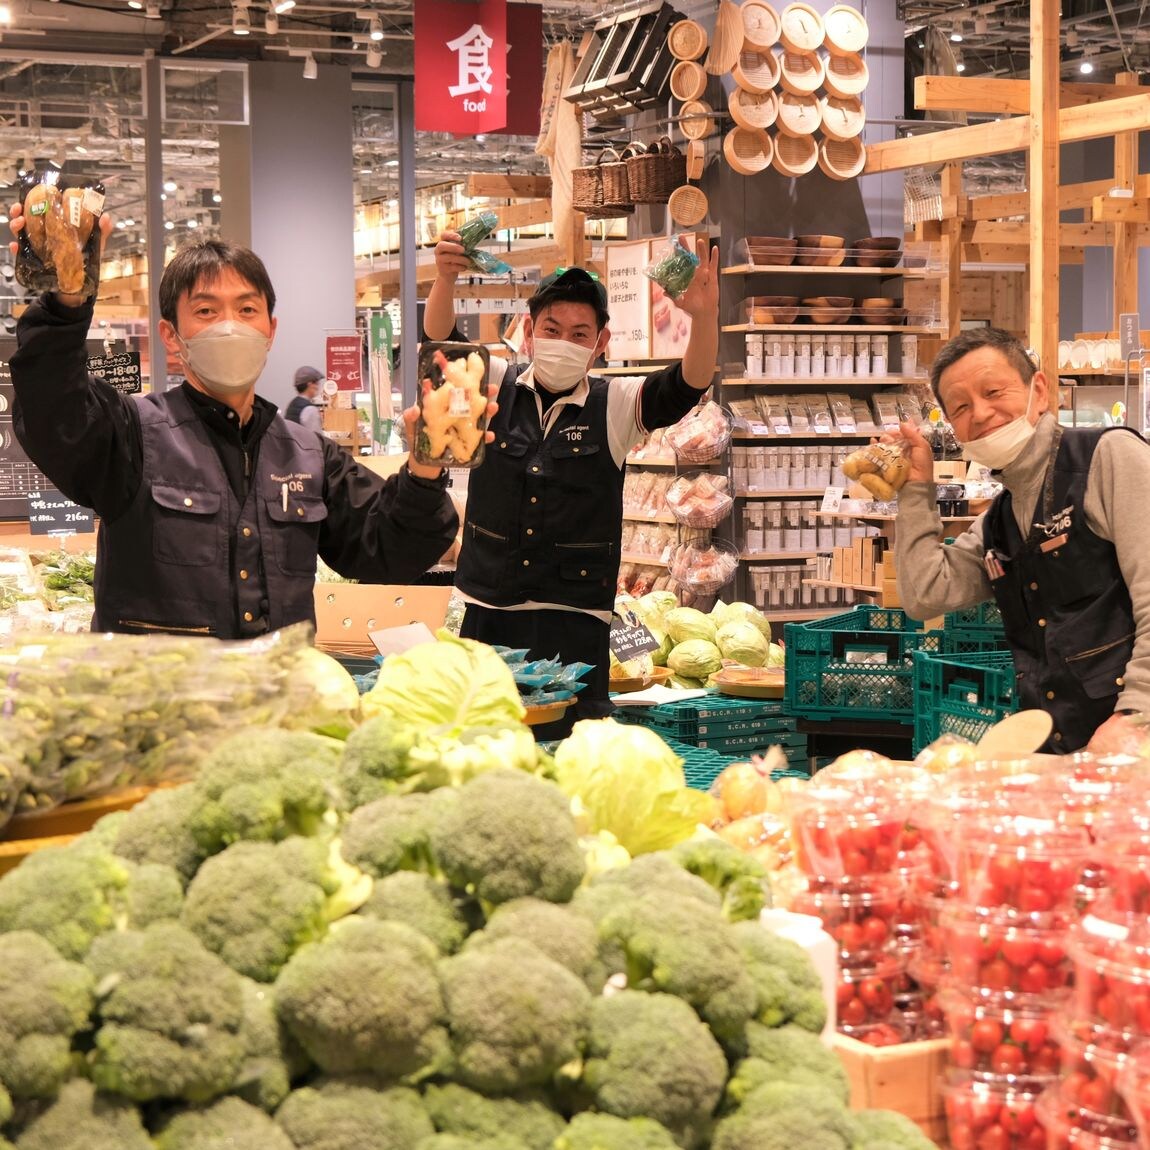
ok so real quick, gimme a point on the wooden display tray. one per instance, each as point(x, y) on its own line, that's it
point(537, 716)
point(640, 683)
point(906, 1078)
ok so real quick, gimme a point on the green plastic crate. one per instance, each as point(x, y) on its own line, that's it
point(682, 718)
point(974, 629)
point(745, 744)
point(961, 694)
point(702, 766)
point(857, 665)
point(980, 616)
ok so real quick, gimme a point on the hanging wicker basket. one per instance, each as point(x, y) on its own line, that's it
point(616, 182)
point(653, 176)
point(587, 189)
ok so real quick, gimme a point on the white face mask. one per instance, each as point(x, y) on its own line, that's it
point(1004, 444)
point(226, 357)
point(560, 365)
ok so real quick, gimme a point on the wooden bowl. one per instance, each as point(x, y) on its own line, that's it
point(876, 303)
point(879, 243)
point(771, 308)
point(824, 251)
point(772, 251)
point(872, 258)
point(829, 309)
point(887, 317)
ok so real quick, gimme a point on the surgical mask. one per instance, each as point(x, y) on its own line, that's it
point(560, 365)
point(226, 357)
point(1004, 444)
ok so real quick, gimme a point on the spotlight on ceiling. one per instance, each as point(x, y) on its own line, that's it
point(137, 5)
point(956, 34)
point(241, 21)
point(310, 69)
point(375, 28)
point(1086, 66)
point(170, 185)
point(283, 6)
point(374, 57)
point(271, 22)
point(960, 66)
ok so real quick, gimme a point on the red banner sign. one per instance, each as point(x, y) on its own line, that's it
point(525, 66)
point(460, 66)
point(345, 362)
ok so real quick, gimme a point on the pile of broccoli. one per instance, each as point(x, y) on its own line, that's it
point(312, 949)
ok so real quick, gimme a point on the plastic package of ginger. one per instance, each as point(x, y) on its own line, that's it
point(59, 245)
point(452, 404)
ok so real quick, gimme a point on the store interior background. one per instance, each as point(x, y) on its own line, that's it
point(194, 128)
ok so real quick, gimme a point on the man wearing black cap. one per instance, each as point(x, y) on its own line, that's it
point(542, 534)
point(303, 409)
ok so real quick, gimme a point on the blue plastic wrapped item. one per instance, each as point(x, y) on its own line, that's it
point(543, 681)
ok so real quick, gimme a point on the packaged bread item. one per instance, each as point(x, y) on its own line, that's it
point(452, 404)
point(882, 468)
point(59, 245)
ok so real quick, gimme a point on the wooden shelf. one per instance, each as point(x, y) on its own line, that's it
point(843, 586)
point(634, 369)
point(800, 616)
point(634, 517)
point(825, 270)
point(822, 437)
point(841, 328)
point(781, 493)
point(766, 556)
point(863, 517)
point(653, 461)
point(819, 380)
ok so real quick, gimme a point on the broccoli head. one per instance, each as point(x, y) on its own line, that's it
point(394, 833)
point(740, 879)
point(787, 1054)
point(44, 1001)
point(515, 1016)
point(375, 760)
point(170, 1014)
point(888, 1128)
point(228, 1123)
point(272, 1058)
point(655, 876)
point(158, 830)
point(6, 1109)
point(590, 1131)
point(562, 933)
point(424, 903)
point(525, 1119)
point(789, 987)
point(509, 834)
point(683, 948)
point(265, 785)
point(255, 904)
point(350, 1115)
point(779, 1131)
point(649, 1056)
point(71, 895)
point(82, 1119)
point(367, 998)
point(777, 1098)
point(463, 1142)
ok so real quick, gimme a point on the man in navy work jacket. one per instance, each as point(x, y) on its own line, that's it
point(212, 506)
point(543, 527)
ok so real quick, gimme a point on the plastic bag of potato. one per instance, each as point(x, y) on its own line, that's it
point(881, 468)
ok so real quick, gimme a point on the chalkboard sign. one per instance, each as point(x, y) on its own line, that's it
point(18, 474)
point(630, 638)
point(50, 513)
point(120, 369)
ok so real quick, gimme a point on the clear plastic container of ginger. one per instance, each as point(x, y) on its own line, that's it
point(58, 248)
point(450, 431)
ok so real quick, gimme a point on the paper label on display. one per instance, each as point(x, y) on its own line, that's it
point(396, 640)
point(458, 404)
point(832, 499)
point(92, 201)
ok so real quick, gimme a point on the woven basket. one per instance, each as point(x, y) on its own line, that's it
point(688, 80)
point(842, 159)
point(587, 189)
point(687, 40)
point(748, 150)
point(616, 183)
point(751, 110)
point(795, 155)
point(801, 72)
point(654, 175)
point(688, 206)
point(696, 120)
point(756, 71)
point(846, 75)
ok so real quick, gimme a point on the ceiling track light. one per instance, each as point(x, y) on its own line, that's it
point(374, 57)
point(310, 68)
point(375, 28)
point(282, 6)
point(271, 21)
point(241, 21)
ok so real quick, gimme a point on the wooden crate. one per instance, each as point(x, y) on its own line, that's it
point(906, 1078)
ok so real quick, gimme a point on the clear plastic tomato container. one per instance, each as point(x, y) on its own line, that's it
point(844, 833)
point(1125, 864)
point(862, 922)
point(1092, 1062)
point(928, 895)
point(865, 993)
point(994, 953)
point(1111, 958)
point(984, 1115)
point(929, 973)
point(1064, 1133)
point(995, 1038)
point(1134, 1086)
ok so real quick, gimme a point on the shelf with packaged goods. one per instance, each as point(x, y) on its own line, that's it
point(642, 560)
point(815, 436)
point(837, 328)
point(864, 587)
point(636, 517)
point(801, 616)
point(792, 381)
point(773, 556)
point(780, 493)
point(653, 461)
point(827, 270)
point(863, 517)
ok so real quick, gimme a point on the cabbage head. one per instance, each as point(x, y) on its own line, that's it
point(738, 612)
point(743, 642)
point(776, 657)
point(695, 659)
point(633, 668)
point(653, 607)
point(685, 623)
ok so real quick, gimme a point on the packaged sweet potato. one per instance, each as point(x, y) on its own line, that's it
point(452, 404)
point(59, 246)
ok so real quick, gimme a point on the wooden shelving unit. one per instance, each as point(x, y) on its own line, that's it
point(822, 270)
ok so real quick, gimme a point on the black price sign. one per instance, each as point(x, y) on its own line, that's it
point(121, 370)
point(630, 638)
point(50, 513)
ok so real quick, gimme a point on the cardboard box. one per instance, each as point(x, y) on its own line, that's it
point(906, 1078)
point(346, 613)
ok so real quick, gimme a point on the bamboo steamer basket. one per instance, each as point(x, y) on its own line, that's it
point(753, 109)
point(688, 80)
point(688, 206)
point(696, 159)
point(697, 120)
point(798, 115)
point(760, 25)
point(756, 71)
point(726, 39)
point(795, 155)
point(748, 150)
point(842, 159)
point(687, 40)
point(845, 30)
point(801, 28)
point(844, 117)
point(801, 72)
point(846, 75)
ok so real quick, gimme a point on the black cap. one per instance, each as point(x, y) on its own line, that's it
point(306, 376)
point(571, 285)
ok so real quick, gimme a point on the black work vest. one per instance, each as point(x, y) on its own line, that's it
point(295, 409)
point(544, 515)
point(1064, 603)
point(188, 556)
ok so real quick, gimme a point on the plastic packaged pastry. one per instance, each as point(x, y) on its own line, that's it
point(59, 245)
point(452, 404)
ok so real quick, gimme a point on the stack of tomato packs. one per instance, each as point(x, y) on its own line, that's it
point(851, 836)
point(1025, 921)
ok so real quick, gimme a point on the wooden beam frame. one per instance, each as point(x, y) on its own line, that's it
point(999, 97)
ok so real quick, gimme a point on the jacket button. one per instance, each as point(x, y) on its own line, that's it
point(243, 574)
point(526, 562)
point(187, 502)
point(530, 531)
point(574, 451)
point(1057, 736)
point(247, 616)
point(1042, 622)
point(299, 510)
point(1121, 680)
point(534, 499)
point(503, 443)
point(535, 470)
point(1034, 586)
point(583, 572)
point(1050, 694)
point(247, 532)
